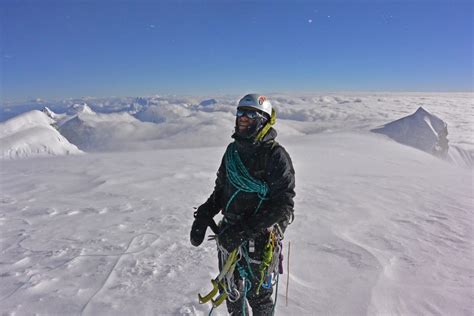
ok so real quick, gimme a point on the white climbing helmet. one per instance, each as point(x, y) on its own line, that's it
point(256, 101)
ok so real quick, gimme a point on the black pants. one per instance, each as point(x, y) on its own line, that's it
point(261, 303)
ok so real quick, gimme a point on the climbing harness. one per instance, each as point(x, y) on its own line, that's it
point(269, 269)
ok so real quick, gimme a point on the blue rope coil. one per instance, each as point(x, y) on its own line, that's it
point(240, 178)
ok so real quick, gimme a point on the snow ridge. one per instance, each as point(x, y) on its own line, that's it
point(32, 134)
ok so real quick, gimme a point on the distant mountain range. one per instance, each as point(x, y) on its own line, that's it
point(157, 122)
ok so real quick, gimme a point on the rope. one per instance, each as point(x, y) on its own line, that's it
point(240, 178)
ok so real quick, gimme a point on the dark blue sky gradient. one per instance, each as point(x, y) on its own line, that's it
point(55, 49)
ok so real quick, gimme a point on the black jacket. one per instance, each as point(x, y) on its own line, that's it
point(268, 161)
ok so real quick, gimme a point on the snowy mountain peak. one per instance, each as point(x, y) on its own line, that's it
point(427, 132)
point(79, 108)
point(438, 125)
point(141, 101)
point(49, 113)
point(421, 130)
point(421, 111)
point(30, 135)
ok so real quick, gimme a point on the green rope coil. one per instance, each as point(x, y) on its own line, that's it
point(240, 178)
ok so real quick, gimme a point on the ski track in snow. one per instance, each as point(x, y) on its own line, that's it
point(115, 264)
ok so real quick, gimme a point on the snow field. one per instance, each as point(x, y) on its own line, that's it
point(380, 228)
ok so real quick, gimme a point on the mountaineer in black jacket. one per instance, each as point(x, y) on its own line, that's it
point(254, 190)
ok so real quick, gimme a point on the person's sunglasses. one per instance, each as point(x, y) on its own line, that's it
point(251, 114)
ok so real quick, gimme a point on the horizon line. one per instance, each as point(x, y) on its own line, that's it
point(305, 92)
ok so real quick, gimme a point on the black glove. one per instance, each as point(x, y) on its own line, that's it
point(198, 231)
point(232, 237)
point(202, 220)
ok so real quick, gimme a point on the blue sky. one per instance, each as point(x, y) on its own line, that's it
point(57, 49)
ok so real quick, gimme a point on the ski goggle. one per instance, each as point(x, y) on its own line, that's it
point(251, 114)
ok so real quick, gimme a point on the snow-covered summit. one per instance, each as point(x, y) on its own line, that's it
point(421, 130)
point(49, 113)
point(31, 134)
point(79, 108)
point(141, 101)
point(427, 132)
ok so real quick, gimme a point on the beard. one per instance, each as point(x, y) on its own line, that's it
point(251, 130)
